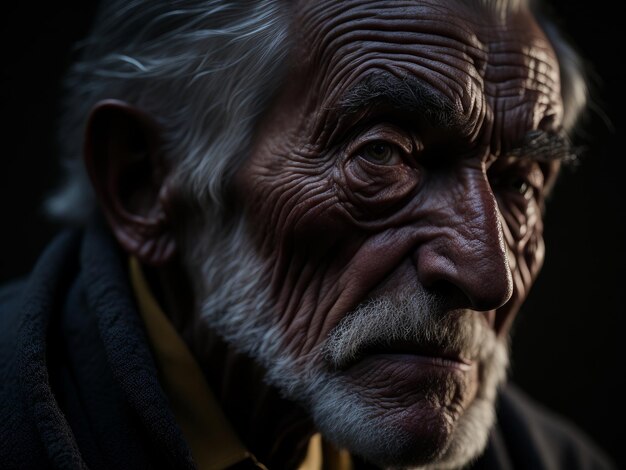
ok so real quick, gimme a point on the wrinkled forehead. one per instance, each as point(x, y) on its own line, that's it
point(477, 56)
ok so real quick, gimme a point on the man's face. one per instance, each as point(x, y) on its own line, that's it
point(394, 198)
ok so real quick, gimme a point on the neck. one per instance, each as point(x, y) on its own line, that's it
point(276, 431)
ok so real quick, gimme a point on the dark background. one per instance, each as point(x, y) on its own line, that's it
point(568, 348)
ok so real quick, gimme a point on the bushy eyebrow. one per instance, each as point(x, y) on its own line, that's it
point(546, 146)
point(403, 94)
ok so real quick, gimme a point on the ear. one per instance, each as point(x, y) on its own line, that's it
point(124, 160)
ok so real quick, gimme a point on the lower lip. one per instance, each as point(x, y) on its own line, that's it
point(419, 362)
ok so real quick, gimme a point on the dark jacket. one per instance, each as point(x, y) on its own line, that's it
point(79, 387)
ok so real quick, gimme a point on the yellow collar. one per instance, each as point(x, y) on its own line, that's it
point(212, 440)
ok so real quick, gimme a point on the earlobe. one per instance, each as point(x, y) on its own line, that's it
point(124, 160)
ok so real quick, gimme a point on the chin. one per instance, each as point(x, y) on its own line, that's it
point(439, 420)
point(390, 438)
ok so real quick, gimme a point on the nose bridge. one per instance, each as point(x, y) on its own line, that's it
point(467, 248)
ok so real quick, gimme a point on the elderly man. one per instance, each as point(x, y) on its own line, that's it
point(317, 221)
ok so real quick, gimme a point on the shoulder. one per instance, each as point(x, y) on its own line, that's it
point(11, 299)
point(10, 295)
point(25, 309)
point(18, 443)
point(541, 439)
point(25, 301)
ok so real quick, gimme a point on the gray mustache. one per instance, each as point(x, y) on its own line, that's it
point(414, 321)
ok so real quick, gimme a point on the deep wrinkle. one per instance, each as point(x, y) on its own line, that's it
point(450, 214)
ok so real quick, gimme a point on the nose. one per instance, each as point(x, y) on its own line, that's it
point(466, 252)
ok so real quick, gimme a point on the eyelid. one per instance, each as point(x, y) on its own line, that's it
point(382, 132)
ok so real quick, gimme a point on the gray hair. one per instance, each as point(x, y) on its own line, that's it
point(205, 70)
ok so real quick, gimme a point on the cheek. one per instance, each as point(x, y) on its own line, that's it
point(299, 230)
point(321, 261)
point(283, 197)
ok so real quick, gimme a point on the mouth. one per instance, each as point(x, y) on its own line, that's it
point(406, 351)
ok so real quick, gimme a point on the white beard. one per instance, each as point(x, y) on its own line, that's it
point(235, 302)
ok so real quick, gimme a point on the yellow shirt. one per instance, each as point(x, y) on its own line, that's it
point(211, 438)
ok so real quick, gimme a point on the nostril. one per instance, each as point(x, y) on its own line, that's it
point(449, 297)
point(487, 303)
point(487, 290)
point(479, 298)
point(465, 279)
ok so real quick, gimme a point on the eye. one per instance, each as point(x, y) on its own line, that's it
point(521, 186)
point(521, 179)
point(514, 185)
point(380, 152)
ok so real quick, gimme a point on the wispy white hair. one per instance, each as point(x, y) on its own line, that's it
point(205, 70)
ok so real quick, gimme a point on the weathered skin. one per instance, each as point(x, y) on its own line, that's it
point(334, 223)
point(398, 155)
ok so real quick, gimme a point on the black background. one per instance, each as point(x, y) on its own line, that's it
point(568, 348)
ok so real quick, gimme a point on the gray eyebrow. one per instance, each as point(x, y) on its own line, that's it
point(547, 146)
point(404, 94)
